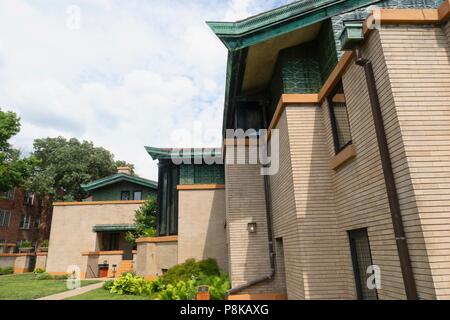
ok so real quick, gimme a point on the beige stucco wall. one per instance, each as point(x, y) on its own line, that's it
point(201, 226)
point(71, 231)
point(153, 257)
point(41, 261)
point(7, 261)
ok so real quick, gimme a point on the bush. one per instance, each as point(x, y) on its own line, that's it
point(183, 290)
point(191, 269)
point(25, 244)
point(218, 285)
point(6, 270)
point(38, 270)
point(130, 284)
point(44, 244)
point(61, 277)
point(44, 276)
point(107, 285)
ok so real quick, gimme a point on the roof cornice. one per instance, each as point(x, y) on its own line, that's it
point(245, 33)
point(117, 178)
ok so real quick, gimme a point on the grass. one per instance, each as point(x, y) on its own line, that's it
point(102, 294)
point(25, 287)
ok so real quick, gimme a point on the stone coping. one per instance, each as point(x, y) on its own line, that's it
point(157, 239)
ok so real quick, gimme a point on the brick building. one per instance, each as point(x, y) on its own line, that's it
point(23, 216)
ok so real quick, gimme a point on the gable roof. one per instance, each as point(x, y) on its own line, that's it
point(182, 153)
point(118, 177)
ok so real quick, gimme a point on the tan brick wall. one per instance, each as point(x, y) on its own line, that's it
point(358, 186)
point(319, 240)
point(245, 202)
point(446, 29)
point(71, 231)
point(421, 92)
point(201, 226)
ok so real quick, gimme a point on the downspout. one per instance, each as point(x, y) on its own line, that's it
point(394, 204)
point(271, 275)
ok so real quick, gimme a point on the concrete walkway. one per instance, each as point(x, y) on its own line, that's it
point(73, 293)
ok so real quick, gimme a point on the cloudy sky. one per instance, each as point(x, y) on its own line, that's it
point(127, 73)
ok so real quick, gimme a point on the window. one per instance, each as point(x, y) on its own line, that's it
point(137, 195)
point(25, 221)
point(339, 118)
point(361, 260)
point(28, 198)
point(249, 116)
point(8, 195)
point(168, 200)
point(111, 241)
point(5, 217)
point(36, 223)
point(125, 195)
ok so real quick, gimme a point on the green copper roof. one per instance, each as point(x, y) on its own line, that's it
point(182, 153)
point(117, 178)
point(113, 227)
point(273, 23)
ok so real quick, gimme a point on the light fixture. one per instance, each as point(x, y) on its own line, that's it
point(251, 227)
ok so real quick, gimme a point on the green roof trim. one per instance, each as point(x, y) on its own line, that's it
point(182, 153)
point(113, 227)
point(117, 178)
point(279, 21)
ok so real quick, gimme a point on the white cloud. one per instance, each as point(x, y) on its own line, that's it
point(134, 73)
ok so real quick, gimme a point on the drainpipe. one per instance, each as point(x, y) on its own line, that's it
point(271, 275)
point(394, 204)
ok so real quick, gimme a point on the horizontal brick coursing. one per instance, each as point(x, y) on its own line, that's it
point(421, 93)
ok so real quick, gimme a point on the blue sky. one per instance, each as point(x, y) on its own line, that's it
point(133, 73)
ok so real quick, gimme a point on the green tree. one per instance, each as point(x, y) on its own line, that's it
point(14, 170)
point(144, 220)
point(66, 164)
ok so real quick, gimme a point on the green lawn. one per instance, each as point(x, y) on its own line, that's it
point(25, 287)
point(102, 294)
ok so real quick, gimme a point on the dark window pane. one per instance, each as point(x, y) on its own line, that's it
point(361, 259)
point(173, 229)
point(125, 195)
point(339, 119)
point(249, 116)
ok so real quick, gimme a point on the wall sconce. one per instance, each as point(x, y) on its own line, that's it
point(251, 227)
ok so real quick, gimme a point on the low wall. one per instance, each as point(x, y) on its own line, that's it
point(154, 255)
point(19, 261)
point(41, 260)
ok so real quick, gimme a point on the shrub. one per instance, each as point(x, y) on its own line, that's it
point(38, 270)
point(25, 244)
point(6, 270)
point(183, 290)
point(191, 269)
point(44, 276)
point(61, 277)
point(130, 284)
point(128, 272)
point(44, 244)
point(107, 285)
point(218, 285)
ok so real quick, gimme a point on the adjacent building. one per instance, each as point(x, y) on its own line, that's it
point(92, 233)
point(23, 217)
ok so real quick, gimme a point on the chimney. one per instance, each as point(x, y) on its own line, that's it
point(125, 170)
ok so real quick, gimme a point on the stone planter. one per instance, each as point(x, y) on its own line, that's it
point(25, 250)
point(43, 249)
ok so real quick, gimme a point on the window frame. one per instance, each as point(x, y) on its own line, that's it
point(125, 192)
point(5, 213)
point(25, 222)
point(134, 194)
point(334, 130)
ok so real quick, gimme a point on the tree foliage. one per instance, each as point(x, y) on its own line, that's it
point(144, 220)
point(14, 170)
point(65, 164)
